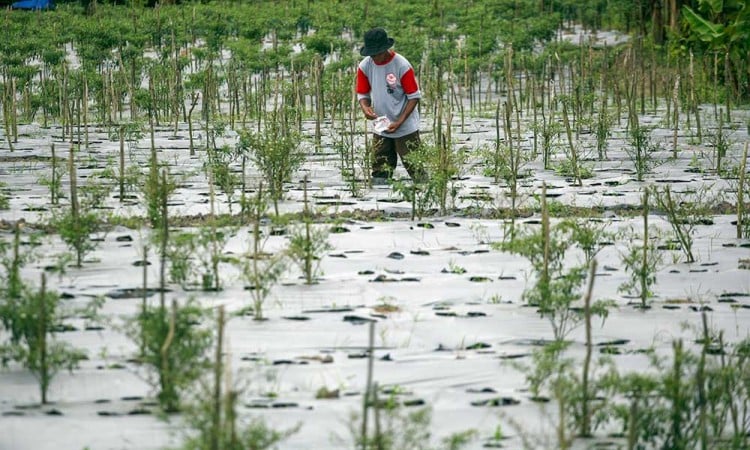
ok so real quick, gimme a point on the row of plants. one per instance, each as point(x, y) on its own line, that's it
point(111, 77)
point(573, 93)
point(576, 96)
point(173, 339)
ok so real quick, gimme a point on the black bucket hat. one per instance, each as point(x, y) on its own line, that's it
point(376, 41)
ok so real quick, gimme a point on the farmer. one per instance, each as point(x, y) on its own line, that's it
point(386, 87)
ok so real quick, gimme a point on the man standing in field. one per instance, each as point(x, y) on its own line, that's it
point(388, 93)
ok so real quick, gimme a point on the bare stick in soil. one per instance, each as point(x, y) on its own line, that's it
point(368, 384)
point(585, 430)
point(741, 194)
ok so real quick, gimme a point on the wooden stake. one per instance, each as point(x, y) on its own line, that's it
point(368, 385)
point(741, 194)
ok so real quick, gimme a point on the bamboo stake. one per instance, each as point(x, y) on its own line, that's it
point(368, 385)
point(218, 370)
point(14, 109)
point(85, 111)
point(164, 350)
point(74, 208)
point(741, 194)
point(644, 255)
point(122, 164)
point(700, 381)
point(585, 412)
point(42, 336)
point(144, 298)
point(694, 102)
point(163, 189)
point(676, 101)
point(54, 181)
point(545, 236)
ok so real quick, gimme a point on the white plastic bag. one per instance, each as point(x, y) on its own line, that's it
point(381, 124)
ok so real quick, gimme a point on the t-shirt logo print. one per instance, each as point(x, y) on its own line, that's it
point(390, 79)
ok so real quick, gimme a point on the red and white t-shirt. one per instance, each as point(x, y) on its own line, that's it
point(388, 86)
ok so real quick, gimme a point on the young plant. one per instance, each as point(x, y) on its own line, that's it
point(210, 243)
point(220, 164)
point(32, 321)
point(572, 167)
point(641, 416)
point(4, 200)
point(79, 221)
point(175, 348)
point(396, 427)
point(742, 190)
point(212, 419)
point(552, 373)
point(641, 150)
point(434, 168)
point(181, 250)
point(721, 143)
point(13, 259)
point(575, 394)
point(307, 244)
point(549, 129)
point(507, 160)
point(54, 181)
point(603, 131)
point(156, 187)
point(558, 284)
point(276, 153)
point(641, 261)
point(127, 178)
point(260, 270)
point(685, 211)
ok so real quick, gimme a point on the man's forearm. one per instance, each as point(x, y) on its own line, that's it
point(408, 109)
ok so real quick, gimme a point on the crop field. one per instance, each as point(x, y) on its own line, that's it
point(193, 254)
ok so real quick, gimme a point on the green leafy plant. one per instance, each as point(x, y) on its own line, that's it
point(221, 172)
point(54, 181)
point(573, 166)
point(210, 242)
point(13, 259)
point(549, 129)
point(79, 221)
point(211, 417)
point(174, 348)
point(685, 212)
point(275, 151)
point(435, 168)
point(260, 270)
point(641, 150)
point(32, 321)
point(641, 261)
point(400, 427)
point(721, 143)
point(556, 286)
point(567, 169)
point(181, 255)
point(507, 160)
point(603, 131)
point(691, 399)
point(307, 244)
point(552, 372)
point(557, 283)
point(742, 189)
point(4, 200)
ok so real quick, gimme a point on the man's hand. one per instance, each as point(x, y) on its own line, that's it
point(393, 127)
point(369, 113)
point(367, 109)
